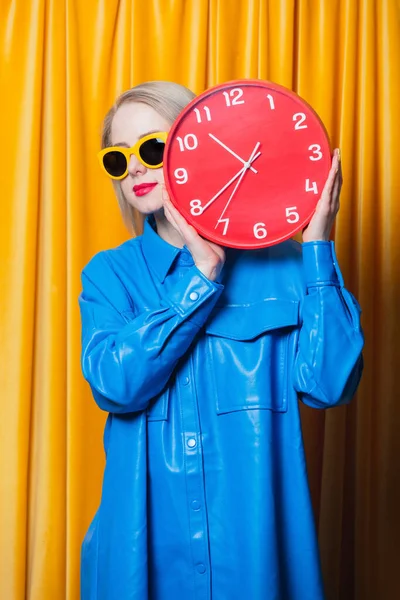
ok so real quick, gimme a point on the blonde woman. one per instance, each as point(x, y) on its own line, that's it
point(200, 356)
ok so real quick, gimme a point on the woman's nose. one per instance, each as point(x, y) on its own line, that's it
point(135, 167)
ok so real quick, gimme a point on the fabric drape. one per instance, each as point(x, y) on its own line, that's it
point(62, 63)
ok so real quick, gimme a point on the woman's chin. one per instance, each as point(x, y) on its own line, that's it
point(146, 205)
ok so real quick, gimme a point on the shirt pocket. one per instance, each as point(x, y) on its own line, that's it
point(158, 407)
point(249, 352)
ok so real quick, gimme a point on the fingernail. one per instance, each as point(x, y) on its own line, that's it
point(339, 156)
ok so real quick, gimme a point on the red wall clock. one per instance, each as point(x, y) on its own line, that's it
point(245, 163)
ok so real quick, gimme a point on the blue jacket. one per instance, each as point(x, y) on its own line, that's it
point(205, 491)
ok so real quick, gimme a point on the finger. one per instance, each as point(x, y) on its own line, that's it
point(339, 176)
point(332, 173)
point(215, 246)
point(219, 250)
point(193, 241)
point(335, 163)
point(174, 212)
point(337, 186)
point(326, 198)
point(335, 203)
point(198, 247)
point(179, 222)
point(340, 173)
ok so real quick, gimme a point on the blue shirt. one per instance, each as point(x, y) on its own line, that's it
point(205, 493)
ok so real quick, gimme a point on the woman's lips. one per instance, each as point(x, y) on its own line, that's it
point(143, 188)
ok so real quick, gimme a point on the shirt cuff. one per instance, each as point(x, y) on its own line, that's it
point(194, 296)
point(320, 264)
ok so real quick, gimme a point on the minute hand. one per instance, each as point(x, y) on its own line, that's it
point(247, 165)
point(217, 195)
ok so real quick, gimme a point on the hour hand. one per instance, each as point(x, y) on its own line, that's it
point(230, 151)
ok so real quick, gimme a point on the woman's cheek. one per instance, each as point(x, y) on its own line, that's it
point(126, 187)
point(159, 175)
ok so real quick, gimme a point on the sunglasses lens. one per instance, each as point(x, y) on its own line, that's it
point(115, 163)
point(152, 151)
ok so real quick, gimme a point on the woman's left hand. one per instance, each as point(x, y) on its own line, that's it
point(320, 226)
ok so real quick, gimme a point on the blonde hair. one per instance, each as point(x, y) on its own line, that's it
point(168, 99)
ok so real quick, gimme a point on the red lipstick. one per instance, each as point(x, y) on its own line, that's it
point(143, 188)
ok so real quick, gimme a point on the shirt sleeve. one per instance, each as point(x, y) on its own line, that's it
point(126, 358)
point(329, 359)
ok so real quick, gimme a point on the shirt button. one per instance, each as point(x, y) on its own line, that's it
point(191, 442)
point(193, 296)
point(186, 381)
point(196, 505)
point(201, 568)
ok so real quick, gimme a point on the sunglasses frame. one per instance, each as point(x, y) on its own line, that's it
point(127, 152)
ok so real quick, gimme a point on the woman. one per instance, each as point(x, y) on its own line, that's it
point(200, 356)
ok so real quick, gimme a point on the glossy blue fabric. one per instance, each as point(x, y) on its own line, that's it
point(205, 490)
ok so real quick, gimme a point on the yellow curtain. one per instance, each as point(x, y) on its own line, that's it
point(62, 63)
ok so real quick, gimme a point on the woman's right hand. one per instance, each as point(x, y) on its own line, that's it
point(209, 258)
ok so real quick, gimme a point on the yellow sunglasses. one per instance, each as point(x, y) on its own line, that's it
point(149, 150)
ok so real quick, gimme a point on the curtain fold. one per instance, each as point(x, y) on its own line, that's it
point(62, 63)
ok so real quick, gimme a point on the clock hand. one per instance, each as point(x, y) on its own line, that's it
point(230, 151)
point(217, 195)
point(247, 166)
point(238, 174)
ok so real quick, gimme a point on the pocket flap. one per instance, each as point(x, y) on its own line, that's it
point(246, 322)
point(158, 407)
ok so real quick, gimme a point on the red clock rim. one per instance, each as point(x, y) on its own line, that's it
point(210, 91)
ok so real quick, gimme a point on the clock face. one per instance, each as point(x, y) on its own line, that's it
point(245, 163)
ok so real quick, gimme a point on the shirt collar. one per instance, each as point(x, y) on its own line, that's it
point(158, 253)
